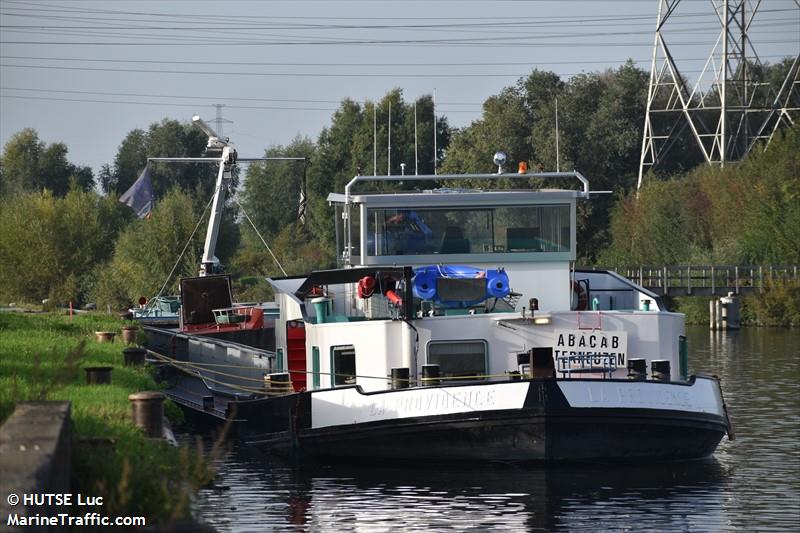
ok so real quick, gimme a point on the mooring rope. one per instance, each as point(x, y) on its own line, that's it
point(198, 367)
point(205, 378)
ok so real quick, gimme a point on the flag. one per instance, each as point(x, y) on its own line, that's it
point(301, 207)
point(140, 196)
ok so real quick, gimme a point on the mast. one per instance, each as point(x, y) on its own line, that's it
point(223, 179)
point(435, 148)
point(217, 151)
point(389, 148)
point(558, 155)
point(416, 154)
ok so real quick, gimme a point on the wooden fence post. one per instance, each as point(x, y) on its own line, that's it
point(688, 279)
point(713, 286)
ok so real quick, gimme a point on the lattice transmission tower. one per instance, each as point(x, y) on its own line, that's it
point(730, 106)
point(220, 121)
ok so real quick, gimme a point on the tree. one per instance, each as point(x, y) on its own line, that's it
point(271, 192)
point(29, 164)
point(20, 161)
point(345, 149)
point(147, 250)
point(130, 160)
point(271, 198)
point(168, 138)
point(599, 134)
point(505, 126)
point(58, 175)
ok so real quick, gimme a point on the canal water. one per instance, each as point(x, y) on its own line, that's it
point(751, 484)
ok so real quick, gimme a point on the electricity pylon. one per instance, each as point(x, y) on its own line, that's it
point(730, 106)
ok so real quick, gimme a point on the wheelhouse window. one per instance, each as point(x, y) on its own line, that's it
point(459, 359)
point(343, 365)
point(544, 228)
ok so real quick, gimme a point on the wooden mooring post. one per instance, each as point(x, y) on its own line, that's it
point(723, 313)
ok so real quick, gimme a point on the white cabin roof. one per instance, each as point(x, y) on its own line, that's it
point(468, 197)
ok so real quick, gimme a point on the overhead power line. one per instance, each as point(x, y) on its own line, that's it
point(181, 22)
point(466, 43)
point(195, 97)
point(193, 106)
point(531, 63)
point(314, 74)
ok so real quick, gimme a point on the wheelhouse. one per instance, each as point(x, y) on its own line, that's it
point(530, 233)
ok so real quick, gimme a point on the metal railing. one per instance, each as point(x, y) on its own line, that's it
point(605, 364)
point(707, 279)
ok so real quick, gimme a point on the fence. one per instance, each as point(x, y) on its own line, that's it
point(706, 280)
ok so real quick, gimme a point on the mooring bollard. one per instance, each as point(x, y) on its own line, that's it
point(660, 369)
point(430, 375)
point(98, 375)
point(730, 305)
point(400, 378)
point(541, 363)
point(147, 409)
point(129, 334)
point(723, 313)
point(104, 336)
point(637, 369)
point(208, 403)
point(134, 356)
point(278, 383)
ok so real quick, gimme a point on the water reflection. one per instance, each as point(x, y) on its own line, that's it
point(750, 484)
point(259, 493)
point(760, 371)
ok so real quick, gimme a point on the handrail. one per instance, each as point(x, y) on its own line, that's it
point(427, 177)
point(585, 364)
point(714, 277)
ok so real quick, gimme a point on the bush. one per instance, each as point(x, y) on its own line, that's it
point(779, 305)
point(745, 213)
point(50, 245)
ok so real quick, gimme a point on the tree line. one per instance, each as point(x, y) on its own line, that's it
point(67, 238)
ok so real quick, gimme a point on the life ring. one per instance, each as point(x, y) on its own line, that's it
point(580, 298)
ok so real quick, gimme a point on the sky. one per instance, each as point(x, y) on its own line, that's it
point(86, 73)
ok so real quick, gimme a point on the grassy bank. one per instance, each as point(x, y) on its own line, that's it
point(42, 356)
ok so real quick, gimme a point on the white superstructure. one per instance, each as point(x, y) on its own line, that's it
point(529, 234)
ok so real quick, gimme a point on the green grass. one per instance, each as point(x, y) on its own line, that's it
point(42, 356)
